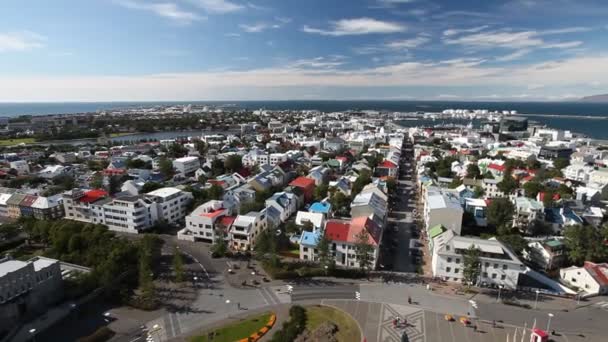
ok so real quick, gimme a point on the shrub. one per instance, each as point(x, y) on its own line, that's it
point(292, 328)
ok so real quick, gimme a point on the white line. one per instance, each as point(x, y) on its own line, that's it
point(135, 339)
point(264, 298)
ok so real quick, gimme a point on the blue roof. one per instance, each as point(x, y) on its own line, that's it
point(320, 207)
point(310, 239)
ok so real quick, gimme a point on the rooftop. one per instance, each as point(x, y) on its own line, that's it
point(9, 266)
point(164, 192)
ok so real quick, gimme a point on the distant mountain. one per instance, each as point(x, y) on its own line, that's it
point(596, 98)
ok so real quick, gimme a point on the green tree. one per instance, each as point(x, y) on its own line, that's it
point(178, 265)
point(472, 265)
point(233, 163)
point(561, 163)
point(215, 192)
point(340, 203)
point(364, 250)
point(548, 200)
point(165, 167)
point(97, 181)
point(324, 252)
point(500, 212)
point(478, 192)
point(508, 183)
point(585, 243)
point(320, 192)
point(473, 171)
point(456, 182)
point(516, 242)
point(150, 186)
point(220, 247)
point(114, 184)
point(488, 175)
point(365, 177)
point(265, 243)
point(532, 188)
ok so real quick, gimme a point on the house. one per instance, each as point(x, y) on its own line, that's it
point(285, 203)
point(308, 245)
point(239, 195)
point(334, 144)
point(172, 203)
point(490, 188)
point(578, 172)
point(321, 208)
point(21, 166)
point(499, 265)
point(132, 187)
point(527, 212)
point(316, 219)
point(594, 216)
point(343, 239)
point(387, 169)
point(52, 171)
point(442, 207)
point(343, 184)
point(370, 200)
point(266, 180)
point(591, 278)
point(478, 208)
point(555, 152)
point(245, 230)
point(560, 218)
point(186, 165)
point(547, 255)
point(320, 174)
point(201, 223)
point(599, 176)
point(307, 185)
point(496, 169)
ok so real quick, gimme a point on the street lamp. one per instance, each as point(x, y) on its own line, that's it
point(536, 300)
point(326, 267)
point(499, 289)
point(549, 322)
point(33, 333)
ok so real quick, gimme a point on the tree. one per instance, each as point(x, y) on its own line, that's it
point(220, 247)
point(488, 175)
point(548, 200)
point(178, 265)
point(165, 167)
point(561, 163)
point(233, 163)
point(217, 167)
point(478, 192)
point(516, 242)
point(473, 171)
point(150, 186)
point(456, 182)
point(97, 181)
point(532, 188)
point(508, 183)
point(340, 203)
point(320, 192)
point(500, 212)
point(472, 265)
point(585, 243)
point(364, 250)
point(365, 177)
point(9, 231)
point(215, 192)
point(265, 243)
point(114, 184)
point(292, 228)
point(323, 250)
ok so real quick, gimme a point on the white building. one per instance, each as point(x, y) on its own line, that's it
point(285, 202)
point(277, 158)
point(591, 278)
point(186, 165)
point(201, 223)
point(316, 219)
point(443, 208)
point(499, 265)
point(245, 230)
point(490, 188)
point(172, 203)
point(21, 166)
point(578, 172)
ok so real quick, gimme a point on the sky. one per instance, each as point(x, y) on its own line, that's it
point(157, 50)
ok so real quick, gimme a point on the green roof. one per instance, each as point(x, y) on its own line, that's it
point(554, 243)
point(434, 231)
point(333, 163)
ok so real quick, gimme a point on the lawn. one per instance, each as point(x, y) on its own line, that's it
point(11, 142)
point(348, 329)
point(122, 134)
point(236, 331)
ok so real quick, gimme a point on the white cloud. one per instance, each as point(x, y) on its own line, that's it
point(511, 40)
point(565, 30)
point(513, 56)
point(357, 26)
point(408, 43)
point(318, 62)
point(263, 83)
point(452, 32)
point(233, 35)
point(167, 10)
point(564, 45)
point(21, 41)
point(219, 6)
point(255, 28)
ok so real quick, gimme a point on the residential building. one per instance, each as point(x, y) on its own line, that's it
point(307, 185)
point(592, 279)
point(285, 203)
point(490, 188)
point(499, 265)
point(316, 219)
point(555, 152)
point(186, 165)
point(172, 204)
point(21, 166)
point(443, 208)
point(201, 223)
point(343, 237)
point(308, 245)
point(245, 230)
point(527, 212)
point(27, 289)
point(547, 255)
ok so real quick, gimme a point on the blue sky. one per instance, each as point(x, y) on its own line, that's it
point(112, 50)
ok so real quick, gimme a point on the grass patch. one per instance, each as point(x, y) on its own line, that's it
point(235, 331)
point(348, 329)
point(12, 142)
point(117, 135)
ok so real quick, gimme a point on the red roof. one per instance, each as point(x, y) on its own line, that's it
point(541, 196)
point(337, 230)
point(342, 158)
point(598, 272)
point(387, 164)
point(540, 333)
point(358, 224)
point(496, 167)
point(303, 182)
point(93, 195)
point(114, 171)
point(227, 220)
point(214, 214)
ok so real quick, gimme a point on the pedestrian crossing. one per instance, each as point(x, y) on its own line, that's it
point(602, 305)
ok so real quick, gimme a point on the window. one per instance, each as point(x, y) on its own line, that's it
point(487, 264)
point(305, 249)
point(448, 269)
point(493, 275)
point(449, 259)
point(495, 265)
point(503, 277)
point(457, 260)
point(485, 274)
point(456, 270)
point(504, 267)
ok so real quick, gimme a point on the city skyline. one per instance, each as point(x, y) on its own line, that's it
point(137, 50)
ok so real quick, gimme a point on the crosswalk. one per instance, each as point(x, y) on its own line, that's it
point(602, 305)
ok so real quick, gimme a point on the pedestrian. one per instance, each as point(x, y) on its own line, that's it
point(409, 300)
point(475, 328)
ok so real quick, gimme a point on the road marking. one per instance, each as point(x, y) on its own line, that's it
point(199, 263)
point(135, 339)
point(261, 291)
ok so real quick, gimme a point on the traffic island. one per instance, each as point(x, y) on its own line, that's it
point(249, 329)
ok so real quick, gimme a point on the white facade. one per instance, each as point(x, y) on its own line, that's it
point(499, 265)
point(172, 203)
point(245, 230)
point(591, 278)
point(578, 172)
point(490, 188)
point(317, 219)
point(186, 165)
point(444, 209)
point(21, 166)
point(200, 224)
point(277, 158)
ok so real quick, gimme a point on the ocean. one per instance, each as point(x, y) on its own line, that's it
point(594, 128)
